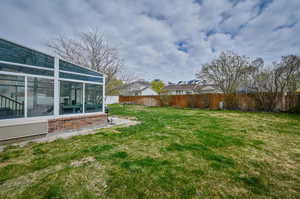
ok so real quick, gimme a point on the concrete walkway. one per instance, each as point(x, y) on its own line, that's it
point(68, 134)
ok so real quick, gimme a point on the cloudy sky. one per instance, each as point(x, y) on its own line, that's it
point(165, 39)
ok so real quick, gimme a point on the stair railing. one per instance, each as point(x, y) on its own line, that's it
point(11, 104)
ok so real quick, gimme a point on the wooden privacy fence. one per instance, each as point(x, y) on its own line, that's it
point(210, 101)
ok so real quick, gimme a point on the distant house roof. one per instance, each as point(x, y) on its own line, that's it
point(141, 83)
point(138, 82)
point(193, 81)
point(188, 86)
point(208, 88)
point(192, 87)
point(134, 87)
point(180, 87)
point(142, 89)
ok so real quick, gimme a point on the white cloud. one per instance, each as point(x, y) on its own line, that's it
point(147, 32)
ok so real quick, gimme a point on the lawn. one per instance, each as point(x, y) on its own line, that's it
point(171, 153)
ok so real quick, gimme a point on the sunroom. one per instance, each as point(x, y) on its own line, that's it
point(40, 93)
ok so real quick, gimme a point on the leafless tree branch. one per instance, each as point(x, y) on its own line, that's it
point(91, 50)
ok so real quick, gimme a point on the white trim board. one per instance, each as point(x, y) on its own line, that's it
point(25, 74)
point(80, 81)
point(27, 66)
point(39, 119)
point(103, 95)
point(51, 69)
point(26, 97)
point(75, 73)
point(56, 87)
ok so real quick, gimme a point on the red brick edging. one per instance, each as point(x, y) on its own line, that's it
point(76, 122)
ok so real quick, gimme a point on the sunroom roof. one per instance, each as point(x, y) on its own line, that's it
point(17, 55)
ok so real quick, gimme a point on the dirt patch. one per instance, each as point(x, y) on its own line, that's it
point(83, 161)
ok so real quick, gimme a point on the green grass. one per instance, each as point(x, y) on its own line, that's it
point(171, 153)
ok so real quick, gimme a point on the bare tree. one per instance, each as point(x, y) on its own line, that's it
point(272, 84)
point(227, 71)
point(127, 76)
point(89, 49)
point(269, 86)
point(289, 70)
point(266, 89)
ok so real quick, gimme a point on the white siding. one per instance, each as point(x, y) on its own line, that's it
point(148, 91)
point(111, 99)
point(209, 89)
point(180, 92)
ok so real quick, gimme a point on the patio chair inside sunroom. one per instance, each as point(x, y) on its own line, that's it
point(36, 84)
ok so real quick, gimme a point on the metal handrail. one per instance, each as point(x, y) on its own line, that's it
point(15, 101)
point(11, 104)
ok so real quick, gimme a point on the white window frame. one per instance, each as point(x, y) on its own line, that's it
point(56, 92)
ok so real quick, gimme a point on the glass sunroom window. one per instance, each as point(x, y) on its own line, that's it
point(40, 100)
point(12, 52)
point(66, 66)
point(12, 95)
point(80, 77)
point(93, 98)
point(71, 97)
point(22, 69)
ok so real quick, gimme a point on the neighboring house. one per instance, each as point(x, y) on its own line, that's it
point(208, 88)
point(147, 91)
point(137, 88)
point(177, 89)
point(190, 87)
